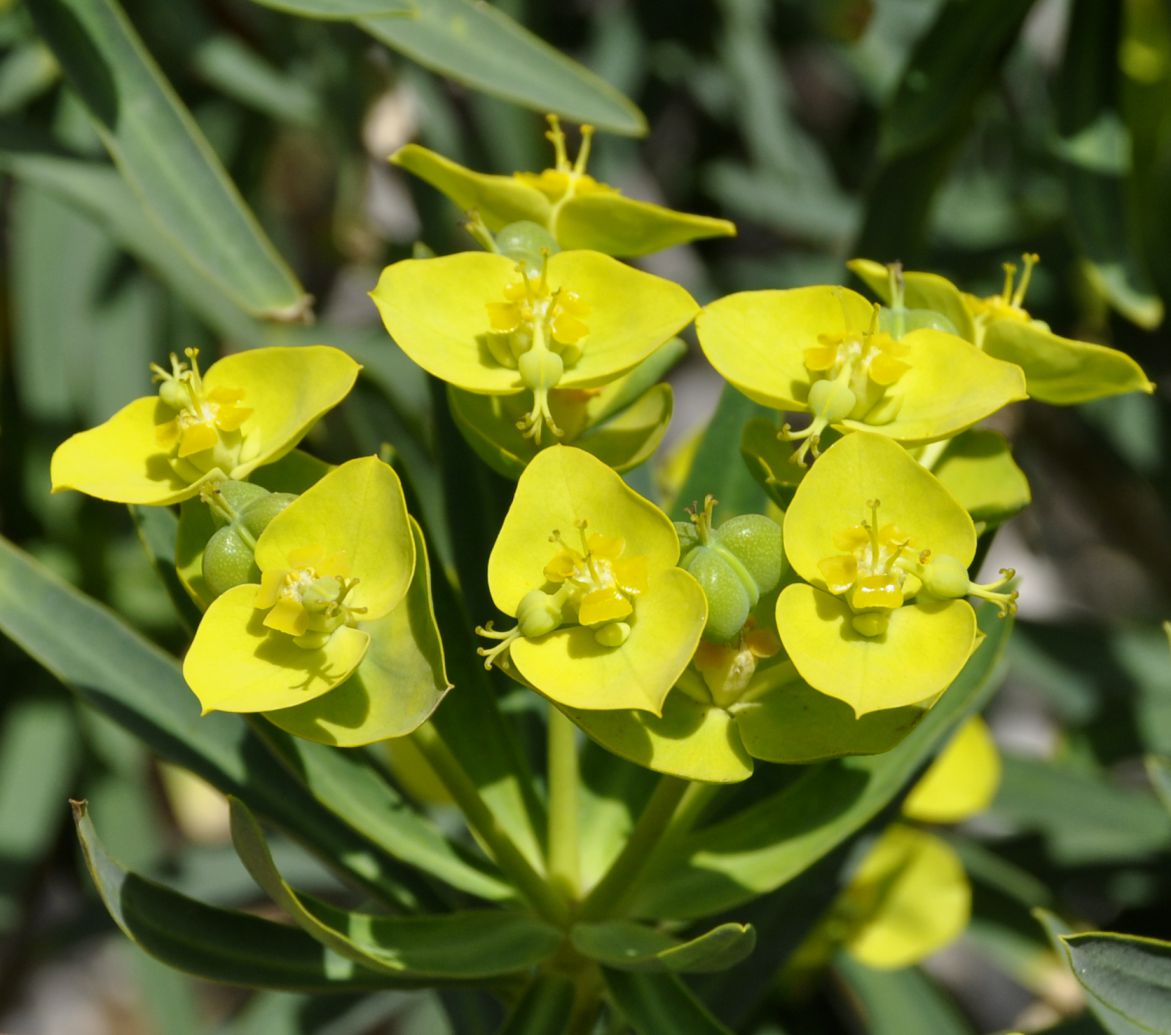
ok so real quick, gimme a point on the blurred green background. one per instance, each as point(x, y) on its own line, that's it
point(949, 135)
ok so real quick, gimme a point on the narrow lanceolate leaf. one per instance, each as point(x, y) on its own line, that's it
point(483, 48)
point(217, 944)
point(627, 945)
point(901, 1002)
point(657, 1003)
point(768, 844)
point(343, 10)
point(1131, 976)
point(164, 155)
point(1115, 1017)
point(951, 66)
point(348, 784)
point(1095, 147)
point(462, 946)
point(545, 1006)
point(114, 669)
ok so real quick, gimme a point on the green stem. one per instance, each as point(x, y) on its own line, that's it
point(564, 842)
point(619, 880)
point(543, 897)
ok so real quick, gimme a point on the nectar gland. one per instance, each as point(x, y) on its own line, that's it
point(537, 331)
point(308, 599)
point(594, 586)
point(205, 433)
point(879, 570)
point(849, 374)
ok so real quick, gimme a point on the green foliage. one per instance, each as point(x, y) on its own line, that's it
point(617, 825)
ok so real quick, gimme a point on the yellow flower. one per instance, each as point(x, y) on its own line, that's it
point(605, 619)
point(1061, 371)
point(249, 409)
point(884, 549)
point(575, 208)
point(825, 352)
point(492, 326)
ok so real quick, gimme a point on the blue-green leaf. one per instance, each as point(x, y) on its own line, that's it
point(461, 946)
point(654, 1004)
point(480, 46)
point(216, 944)
point(627, 945)
point(164, 155)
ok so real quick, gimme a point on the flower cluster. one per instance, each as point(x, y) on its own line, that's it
point(827, 627)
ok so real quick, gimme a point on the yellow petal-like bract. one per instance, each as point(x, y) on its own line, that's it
point(576, 530)
point(248, 409)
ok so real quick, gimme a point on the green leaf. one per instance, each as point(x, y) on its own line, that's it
point(626, 945)
point(460, 946)
point(1113, 1020)
point(97, 190)
point(951, 66)
point(38, 757)
point(1130, 976)
point(657, 1003)
point(1083, 817)
point(481, 47)
point(770, 460)
point(715, 468)
point(978, 469)
point(771, 842)
point(900, 1002)
point(1159, 772)
point(164, 155)
point(794, 724)
point(1095, 147)
point(114, 669)
point(545, 1007)
point(343, 10)
point(216, 944)
point(351, 787)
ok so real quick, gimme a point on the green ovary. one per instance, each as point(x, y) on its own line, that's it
point(537, 332)
point(307, 601)
point(595, 586)
point(850, 375)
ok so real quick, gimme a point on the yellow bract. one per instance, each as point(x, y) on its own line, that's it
point(820, 350)
point(909, 898)
point(961, 782)
point(587, 566)
point(884, 550)
point(333, 563)
point(481, 323)
point(579, 211)
point(248, 409)
point(1061, 371)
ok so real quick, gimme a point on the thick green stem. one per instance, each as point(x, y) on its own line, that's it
point(564, 844)
point(620, 880)
point(542, 896)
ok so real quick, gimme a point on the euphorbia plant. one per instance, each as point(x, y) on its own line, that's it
point(844, 633)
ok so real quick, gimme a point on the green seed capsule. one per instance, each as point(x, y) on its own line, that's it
point(728, 599)
point(946, 577)
point(228, 562)
point(238, 496)
point(755, 541)
point(257, 514)
point(527, 242)
point(538, 613)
